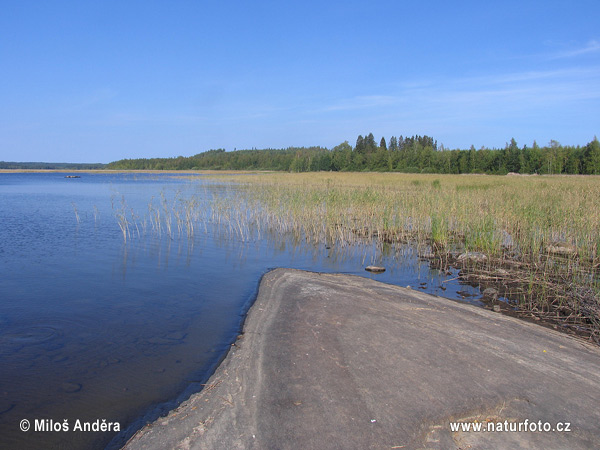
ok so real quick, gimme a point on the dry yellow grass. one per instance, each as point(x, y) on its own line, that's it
point(531, 212)
point(540, 234)
point(545, 229)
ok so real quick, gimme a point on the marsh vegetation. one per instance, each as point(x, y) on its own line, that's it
point(532, 241)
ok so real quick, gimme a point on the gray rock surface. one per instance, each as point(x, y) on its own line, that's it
point(476, 257)
point(490, 293)
point(343, 362)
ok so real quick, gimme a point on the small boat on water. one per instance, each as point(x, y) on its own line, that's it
point(72, 176)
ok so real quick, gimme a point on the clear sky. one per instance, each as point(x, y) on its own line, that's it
point(96, 81)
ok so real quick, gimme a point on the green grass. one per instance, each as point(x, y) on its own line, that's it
point(534, 211)
point(509, 218)
point(540, 234)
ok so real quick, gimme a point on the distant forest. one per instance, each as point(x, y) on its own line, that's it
point(416, 154)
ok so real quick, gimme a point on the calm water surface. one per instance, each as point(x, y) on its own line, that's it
point(92, 327)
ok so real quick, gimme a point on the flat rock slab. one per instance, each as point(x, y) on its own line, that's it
point(343, 362)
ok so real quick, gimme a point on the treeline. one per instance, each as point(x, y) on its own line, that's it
point(267, 159)
point(50, 166)
point(416, 154)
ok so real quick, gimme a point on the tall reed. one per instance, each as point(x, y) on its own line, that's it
point(545, 229)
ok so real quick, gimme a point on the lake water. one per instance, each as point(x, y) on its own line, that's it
point(97, 327)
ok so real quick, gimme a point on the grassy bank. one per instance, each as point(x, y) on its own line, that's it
point(534, 239)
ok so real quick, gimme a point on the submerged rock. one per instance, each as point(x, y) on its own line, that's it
point(490, 293)
point(71, 388)
point(465, 294)
point(375, 269)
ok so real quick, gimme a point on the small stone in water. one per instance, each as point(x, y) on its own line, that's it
point(477, 257)
point(71, 388)
point(375, 269)
point(490, 293)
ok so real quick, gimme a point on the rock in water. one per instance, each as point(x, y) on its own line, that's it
point(71, 388)
point(490, 293)
point(476, 257)
point(375, 269)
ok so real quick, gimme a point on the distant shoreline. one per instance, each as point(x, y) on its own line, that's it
point(130, 171)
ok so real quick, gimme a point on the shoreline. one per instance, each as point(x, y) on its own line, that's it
point(330, 361)
point(187, 172)
point(251, 171)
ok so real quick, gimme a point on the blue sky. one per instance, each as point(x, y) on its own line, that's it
point(97, 81)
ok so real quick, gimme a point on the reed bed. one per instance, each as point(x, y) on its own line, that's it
point(534, 239)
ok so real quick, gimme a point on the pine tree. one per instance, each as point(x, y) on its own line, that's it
point(370, 145)
point(360, 145)
point(592, 157)
point(382, 144)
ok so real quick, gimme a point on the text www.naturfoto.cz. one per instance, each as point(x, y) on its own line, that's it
point(514, 427)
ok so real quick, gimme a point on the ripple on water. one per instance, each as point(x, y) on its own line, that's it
point(173, 338)
point(70, 387)
point(59, 358)
point(14, 340)
point(6, 407)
